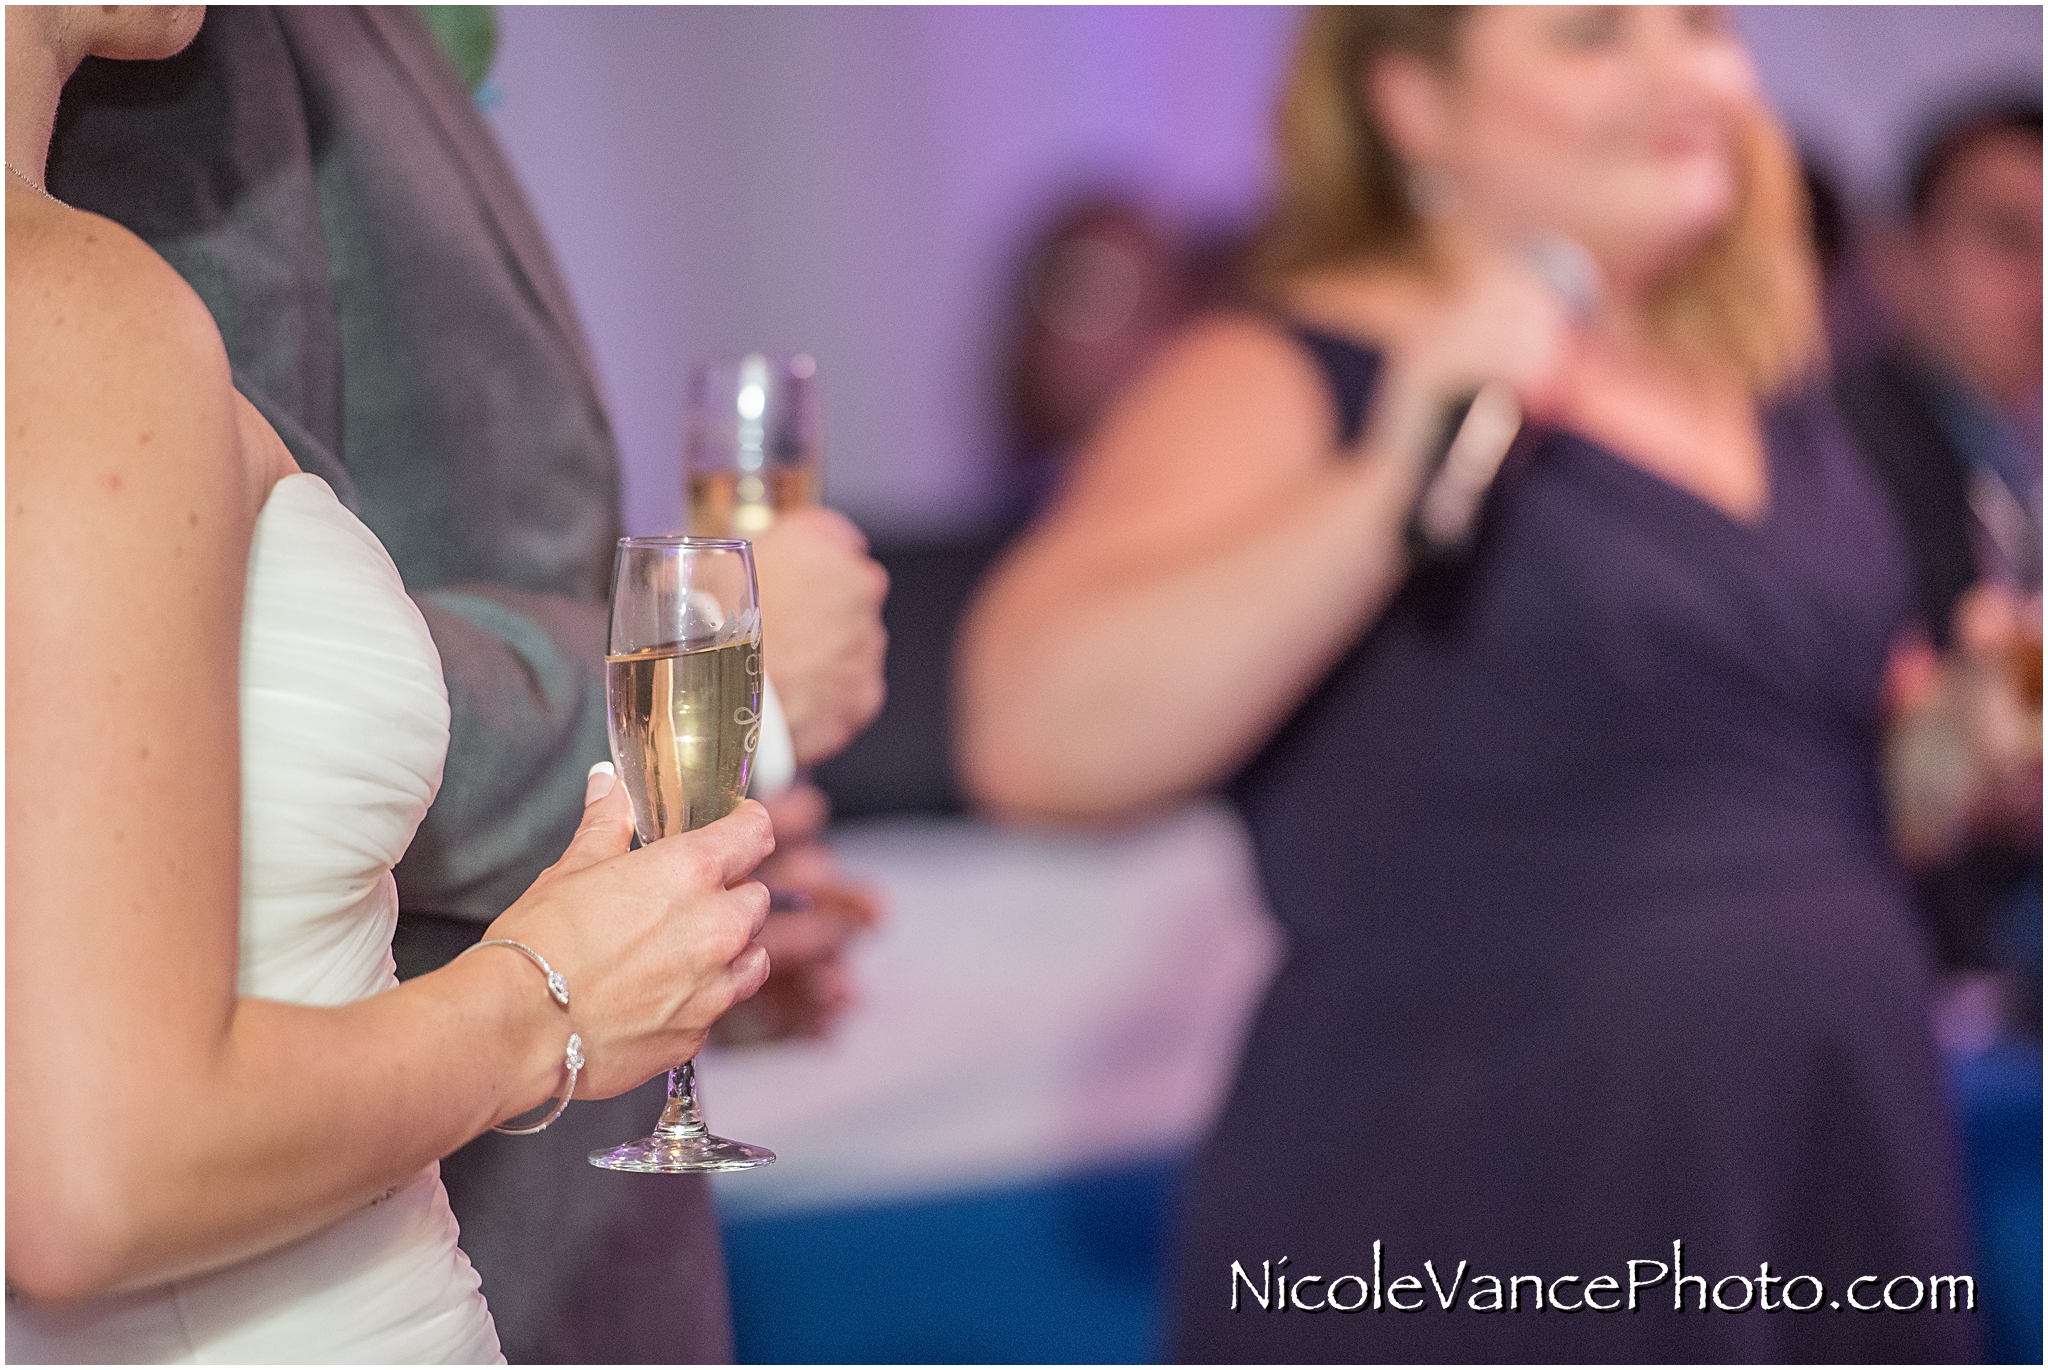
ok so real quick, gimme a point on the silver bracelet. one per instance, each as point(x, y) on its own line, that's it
point(572, 1059)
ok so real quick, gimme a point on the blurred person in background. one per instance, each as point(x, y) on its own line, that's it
point(1103, 285)
point(1596, 945)
point(323, 180)
point(1945, 403)
point(1948, 414)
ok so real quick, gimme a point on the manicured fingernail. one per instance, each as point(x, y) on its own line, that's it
point(602, 778)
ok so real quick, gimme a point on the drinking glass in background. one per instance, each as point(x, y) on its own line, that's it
point(751, 443)
point(683, 689)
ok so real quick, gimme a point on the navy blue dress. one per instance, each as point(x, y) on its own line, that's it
point(1594, 947)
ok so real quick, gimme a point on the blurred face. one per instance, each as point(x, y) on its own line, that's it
point(1977, 267)
point(1615, 126)
point(1102, 300)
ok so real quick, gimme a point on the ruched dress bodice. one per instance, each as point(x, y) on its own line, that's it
point(344, 726)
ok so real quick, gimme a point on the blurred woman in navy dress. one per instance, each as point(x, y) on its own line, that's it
point(1595, 942)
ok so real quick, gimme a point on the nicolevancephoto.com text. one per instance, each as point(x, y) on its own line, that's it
point(1455, 1287)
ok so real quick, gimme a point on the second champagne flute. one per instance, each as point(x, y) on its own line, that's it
point(751, 445)
point(683, 687)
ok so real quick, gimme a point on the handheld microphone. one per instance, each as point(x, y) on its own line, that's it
point(1479, 428)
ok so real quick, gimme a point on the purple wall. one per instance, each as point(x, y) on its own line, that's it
point(850, 182)
point(853, 182)
point(1855, 82)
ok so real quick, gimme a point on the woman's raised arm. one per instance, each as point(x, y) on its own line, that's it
point(1208, 561)
point(1214, 554)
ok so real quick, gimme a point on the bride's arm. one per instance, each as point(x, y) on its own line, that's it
point(157, 1123)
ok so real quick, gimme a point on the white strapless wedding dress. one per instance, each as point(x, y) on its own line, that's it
point(344, 727)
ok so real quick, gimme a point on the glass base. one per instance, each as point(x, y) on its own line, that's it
point(681, 1155)
point(681, 1144)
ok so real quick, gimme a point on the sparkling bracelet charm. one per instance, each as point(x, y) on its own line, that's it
point(572, 1058)
point(572, 1061)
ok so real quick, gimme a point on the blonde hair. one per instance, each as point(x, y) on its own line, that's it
point(1749, 299)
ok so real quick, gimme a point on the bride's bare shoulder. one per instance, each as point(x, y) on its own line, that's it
point(116, 375)
point(76, 279)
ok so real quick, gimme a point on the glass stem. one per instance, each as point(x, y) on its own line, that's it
point(679, 1116)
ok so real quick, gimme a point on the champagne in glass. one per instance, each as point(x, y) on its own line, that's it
point(752, 446)
point(683, 727)
point(683, 687)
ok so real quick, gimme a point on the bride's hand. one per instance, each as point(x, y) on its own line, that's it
point(656, 944)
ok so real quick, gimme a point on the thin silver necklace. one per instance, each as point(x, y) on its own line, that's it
point(31, 184)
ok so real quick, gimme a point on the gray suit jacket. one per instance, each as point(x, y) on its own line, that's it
point(388, 301)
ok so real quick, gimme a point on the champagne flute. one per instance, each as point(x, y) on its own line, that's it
point(683, 689)
point(751, 444)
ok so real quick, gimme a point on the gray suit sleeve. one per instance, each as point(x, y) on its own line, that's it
point(526, 699)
